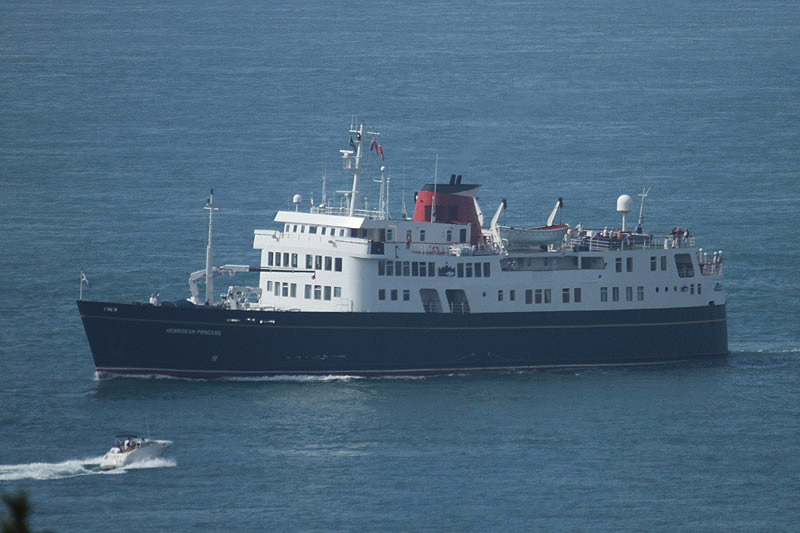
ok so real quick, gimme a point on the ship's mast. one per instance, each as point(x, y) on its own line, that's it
point(642, 195)
point(209, 250)
point(354, 164)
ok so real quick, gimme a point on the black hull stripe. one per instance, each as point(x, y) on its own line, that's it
point(393, 327)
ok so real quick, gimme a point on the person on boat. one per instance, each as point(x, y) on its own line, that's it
point(152, 298)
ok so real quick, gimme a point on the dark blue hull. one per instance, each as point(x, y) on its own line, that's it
point(213, 342)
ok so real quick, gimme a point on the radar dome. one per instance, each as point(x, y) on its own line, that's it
point(296, 199)
point(624, 204)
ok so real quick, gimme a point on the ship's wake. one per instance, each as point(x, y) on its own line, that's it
point(73, 468)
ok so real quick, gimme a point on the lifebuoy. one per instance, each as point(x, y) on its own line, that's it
point(435, 250)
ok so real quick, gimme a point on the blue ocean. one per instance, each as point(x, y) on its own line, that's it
point(117, 118)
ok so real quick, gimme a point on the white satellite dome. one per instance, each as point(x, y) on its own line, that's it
point(624, 204)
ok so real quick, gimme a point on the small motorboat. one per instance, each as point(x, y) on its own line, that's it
point(129, 449)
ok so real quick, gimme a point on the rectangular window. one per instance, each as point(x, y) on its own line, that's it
point(277, 288)
point(309, 261)
point(528, 296)
point(629, 264)
point(302, 229)
point(460, 270)
point(431, 270)
point(448, 236)
point(312, 229)
point(603, 294)
point(477, 270)
point(628, 294)
point(307, 293)
point(415, 269)
point(565, 296)
point(270, 258)
point(294, 260)
point(381, 294)
point(293, 290)
point(577, 293)
point(318, 262)
point(468, 268)
point(512, 295)
point(615, 294)
point(328, 262)
point(406, 295)
point(547, 298)
point(398, 268)
point(462, 235)
point(618, 264)
point(286, 259)
point(277, 259)
point(322, 231)
point(394, 295)
point(699, 289)
point(422, 235)
point(327, 292)
point(317, 292)
point(269, 285)
point(538, 296)
point(337, 292)
point(337, 264)
point(640, 293)
point(500, 296)
point(653, 263)
point(406, 268)
point(423, 270)
point(663, 262)
point(285, 289)
point(486, 270)
point(390, 268)
point(389, 235)
point(381, 267)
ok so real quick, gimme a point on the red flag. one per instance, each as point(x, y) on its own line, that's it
point(380, 151)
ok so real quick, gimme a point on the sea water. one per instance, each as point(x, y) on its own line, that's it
point(116, 119)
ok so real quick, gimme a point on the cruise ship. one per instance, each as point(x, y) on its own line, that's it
point(345, 290)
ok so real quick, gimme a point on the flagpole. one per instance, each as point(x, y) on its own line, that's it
point(80, 293)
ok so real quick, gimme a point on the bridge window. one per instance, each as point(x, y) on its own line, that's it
point(538, 296)
point(577, 294)
point(683, 262)
point(317, 292)
point(381, 294)
point(293, 290)
point(640, 293)
point(294, 260)
point(337, 292)
point(565, 296)
point(394, 294)
point(328, 262)
point(307, 293)
point(628, 294)
point(406, 295)
point(327, 292)
point(528, 296)
point(603, 294)
point(615, 294)
point(547, 297)
point(337, 264)
point(512, 294)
